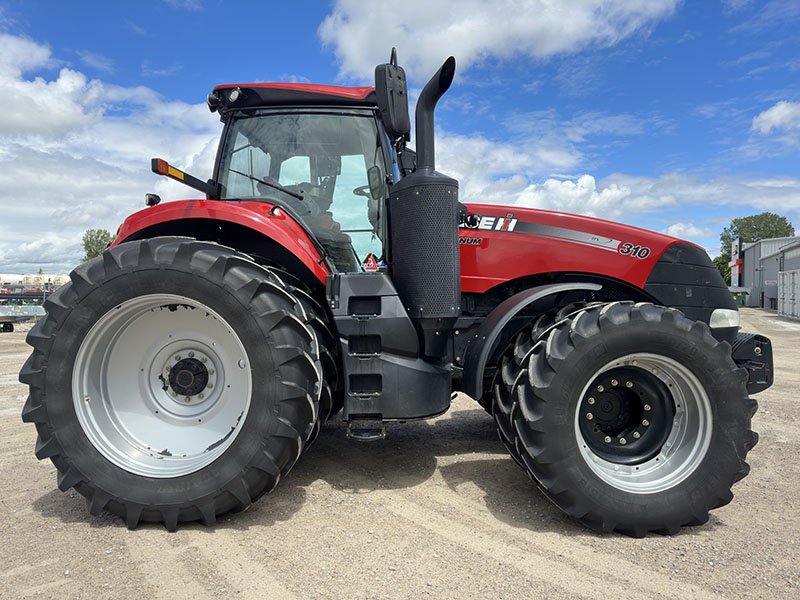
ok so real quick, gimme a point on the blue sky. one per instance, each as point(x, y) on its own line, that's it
point(674, 116)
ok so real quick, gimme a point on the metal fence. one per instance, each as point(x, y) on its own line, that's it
point(789, 294)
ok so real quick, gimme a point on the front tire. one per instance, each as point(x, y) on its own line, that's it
point(171, 380)
point(633, 418)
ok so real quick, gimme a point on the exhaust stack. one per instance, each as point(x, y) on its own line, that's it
point(423, 218)
point(433, 90)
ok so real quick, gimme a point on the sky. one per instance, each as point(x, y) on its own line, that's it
point(675, 116)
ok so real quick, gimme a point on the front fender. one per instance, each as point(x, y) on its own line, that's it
point(493, 331)
point(261, 217)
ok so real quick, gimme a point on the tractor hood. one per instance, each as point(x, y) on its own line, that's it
point(501, 243)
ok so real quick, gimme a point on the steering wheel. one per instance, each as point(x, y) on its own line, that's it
point(362, 190)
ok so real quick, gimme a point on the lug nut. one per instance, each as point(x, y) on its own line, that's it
point(647, 407)
point(201, 396)
point(169, 369)
point(589, 416)
point(177, 357)
point(590, 400)
point(607, 439)
point(629, 384)
point(191, 354)
point(187, 399)
point(210, 385)
point(637, 435)
point(174, 394)
point(645, 422)
point(614, 382)
point(204, 359)
point(211, 371)
point(600, 388)
point(623, 441)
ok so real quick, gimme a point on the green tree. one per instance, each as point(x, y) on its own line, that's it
point(751, 229)
point(95, 241)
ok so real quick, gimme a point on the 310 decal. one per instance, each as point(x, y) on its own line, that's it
point(629, 249)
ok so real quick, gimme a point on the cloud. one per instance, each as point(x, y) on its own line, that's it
point(782, 116)
point(149, 71)
point(687, 230)
point(74, 154)
point(96, 61)
point(425, 33)
point(730, 7)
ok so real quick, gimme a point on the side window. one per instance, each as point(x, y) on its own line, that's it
point(245, 160)
point(351, 210)
point(295, 170)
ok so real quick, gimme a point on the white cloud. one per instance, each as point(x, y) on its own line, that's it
point(425, 33)
point(74, 154)
point(784, 115)
point(96, 61)
point(687, 230)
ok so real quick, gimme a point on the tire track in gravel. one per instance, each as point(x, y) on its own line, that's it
point(557, 561)
point(192, 570)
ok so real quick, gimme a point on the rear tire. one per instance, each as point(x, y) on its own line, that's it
point(104, 404)
point(670, 419)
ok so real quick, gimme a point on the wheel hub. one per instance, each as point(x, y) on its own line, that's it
point(188, 377)
point(626, 415)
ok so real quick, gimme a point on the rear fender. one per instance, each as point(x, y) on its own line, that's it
point(494, 332)
point(261, 224)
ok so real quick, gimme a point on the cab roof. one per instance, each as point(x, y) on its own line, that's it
point(290, 94)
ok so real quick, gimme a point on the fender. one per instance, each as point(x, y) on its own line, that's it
point(266, 219)
point(490, 334)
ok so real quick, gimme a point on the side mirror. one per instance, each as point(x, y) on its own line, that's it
point(392, 96)
point(375, 183)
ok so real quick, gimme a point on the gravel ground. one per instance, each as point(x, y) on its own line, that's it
point(435, 510)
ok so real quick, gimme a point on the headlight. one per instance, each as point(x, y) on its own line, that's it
point(724, 317)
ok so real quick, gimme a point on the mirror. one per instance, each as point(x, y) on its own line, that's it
point(375, 182)
point(392, 96)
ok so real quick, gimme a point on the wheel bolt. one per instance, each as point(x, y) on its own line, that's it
point(191, 354)
point(210, 385)
point(623, 441)
point(201, 396)
point(174, 394)
point(645, 422)
point(629, 384)
point(614, 382)
point(169, 369)
point(607, 439)
point(204, 359)
point(647, 407)
point(600, 388)
point(637, 435)
point(590, 400)
point(187, 399)
point(589, 416)
point(211, 371)
point(177, 357)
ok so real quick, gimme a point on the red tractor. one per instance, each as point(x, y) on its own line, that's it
point(331, 268)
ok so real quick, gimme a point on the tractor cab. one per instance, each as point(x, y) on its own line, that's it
point(319, 152)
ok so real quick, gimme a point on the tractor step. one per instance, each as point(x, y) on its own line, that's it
point(366, 430)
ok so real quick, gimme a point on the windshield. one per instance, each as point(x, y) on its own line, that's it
point(324, 157)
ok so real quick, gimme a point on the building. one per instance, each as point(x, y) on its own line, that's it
point(755, 268)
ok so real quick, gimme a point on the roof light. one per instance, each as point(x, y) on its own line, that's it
point(234, 94)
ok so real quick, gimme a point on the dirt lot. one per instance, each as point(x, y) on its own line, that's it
point(436, 510)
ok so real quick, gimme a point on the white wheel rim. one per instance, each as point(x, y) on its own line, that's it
point(130, 409)
point(687, 442)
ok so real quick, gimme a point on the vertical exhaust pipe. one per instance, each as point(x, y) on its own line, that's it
point(426, 104)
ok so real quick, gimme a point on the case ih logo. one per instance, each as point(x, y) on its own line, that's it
point(507, 223)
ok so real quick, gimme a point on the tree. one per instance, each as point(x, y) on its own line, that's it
point(95, 241)
point(751, 229)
